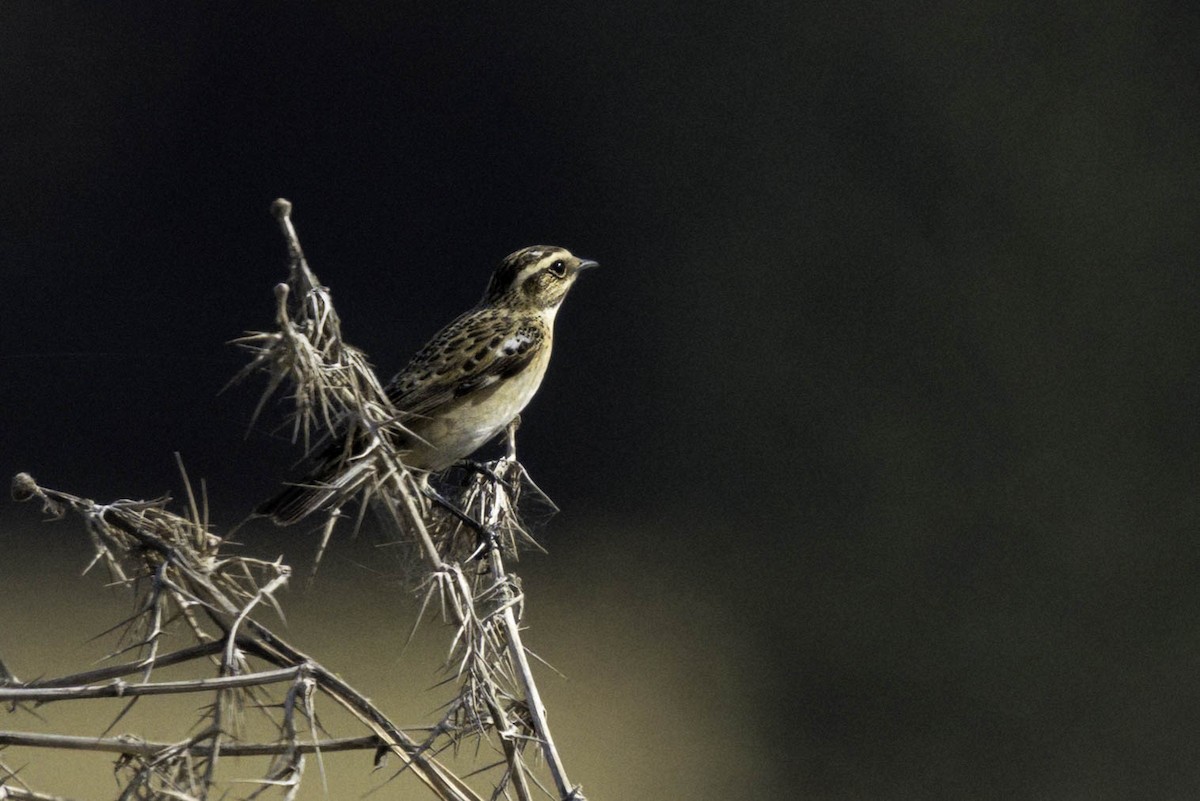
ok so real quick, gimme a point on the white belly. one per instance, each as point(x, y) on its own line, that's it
point(462, 427)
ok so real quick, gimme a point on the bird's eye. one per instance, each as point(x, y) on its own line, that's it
point(558, 269)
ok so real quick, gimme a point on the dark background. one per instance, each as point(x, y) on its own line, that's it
point(875, 435)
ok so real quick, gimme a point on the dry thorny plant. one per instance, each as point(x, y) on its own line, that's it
point(185, 587)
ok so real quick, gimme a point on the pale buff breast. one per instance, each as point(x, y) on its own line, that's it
point(462, 427)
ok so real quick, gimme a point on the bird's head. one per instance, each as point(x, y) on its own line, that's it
point(537, 277)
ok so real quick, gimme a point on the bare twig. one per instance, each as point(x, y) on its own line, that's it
point(121, 689)
point(22, 794)
point(115, 671)
point(133, 746)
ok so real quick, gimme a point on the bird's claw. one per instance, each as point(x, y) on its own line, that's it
point(472, 466)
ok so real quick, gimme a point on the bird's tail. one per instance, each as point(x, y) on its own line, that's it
point(293, 504)
point(298, 501)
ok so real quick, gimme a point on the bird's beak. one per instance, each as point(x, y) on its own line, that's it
point(586, 264)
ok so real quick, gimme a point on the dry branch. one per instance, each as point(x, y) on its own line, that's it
point(183, 582)
point(133, 746)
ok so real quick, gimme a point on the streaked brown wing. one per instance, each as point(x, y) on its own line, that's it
point(473, 352)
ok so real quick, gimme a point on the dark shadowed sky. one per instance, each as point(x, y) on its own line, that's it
point(884, 400)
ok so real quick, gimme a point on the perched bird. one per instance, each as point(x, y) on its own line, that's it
point(467, 383)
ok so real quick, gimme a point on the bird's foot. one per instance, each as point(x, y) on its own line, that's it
point(488, 536)
point(472, 466)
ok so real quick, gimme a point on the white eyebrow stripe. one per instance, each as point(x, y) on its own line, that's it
point(525, 272)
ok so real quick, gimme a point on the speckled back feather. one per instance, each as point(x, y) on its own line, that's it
point(500, 343)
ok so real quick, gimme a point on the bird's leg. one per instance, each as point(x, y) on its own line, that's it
point(510, 438)
point(488, 537)
point(510, 456)
point(472, 466)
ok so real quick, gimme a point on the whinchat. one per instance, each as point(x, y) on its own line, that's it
point(469, 381)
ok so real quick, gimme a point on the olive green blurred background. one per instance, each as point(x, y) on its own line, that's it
point(875, 437)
